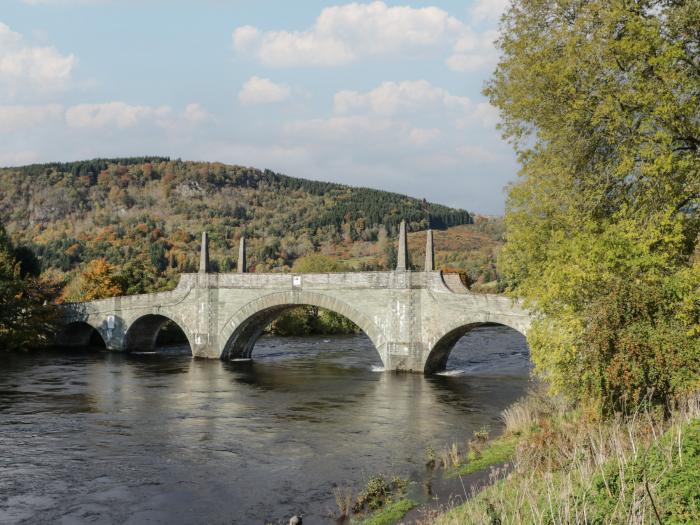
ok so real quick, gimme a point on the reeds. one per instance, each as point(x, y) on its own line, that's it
point(343, 499)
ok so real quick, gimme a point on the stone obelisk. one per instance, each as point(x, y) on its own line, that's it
point(204, 254)
point(242, 265)
point(429, 252)
point(402, 254)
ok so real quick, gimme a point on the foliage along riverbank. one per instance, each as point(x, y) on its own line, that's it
point(571, 466)
point(601, 100)
point(27, 317)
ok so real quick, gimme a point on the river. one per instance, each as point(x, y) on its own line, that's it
point(100, 437)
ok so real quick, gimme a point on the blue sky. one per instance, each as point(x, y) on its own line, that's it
point(379, 94)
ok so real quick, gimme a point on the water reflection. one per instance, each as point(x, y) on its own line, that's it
point(110, 438)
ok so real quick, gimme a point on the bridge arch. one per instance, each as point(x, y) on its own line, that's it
point(244, 328)
point(80, 334)
point(142, 333)
point(439, 351)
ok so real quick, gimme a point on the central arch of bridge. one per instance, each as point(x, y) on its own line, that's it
point(245, 327)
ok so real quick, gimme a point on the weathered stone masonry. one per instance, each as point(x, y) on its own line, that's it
point(413, 318)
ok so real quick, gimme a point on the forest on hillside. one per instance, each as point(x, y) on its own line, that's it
point(144, 217)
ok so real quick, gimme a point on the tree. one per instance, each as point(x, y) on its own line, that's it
point(27, 320)
point(158, 258)
point(601, 100)
point(317, 263)
point(136, 276)
point(99, 280)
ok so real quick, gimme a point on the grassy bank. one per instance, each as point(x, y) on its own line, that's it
point(569, 466)
point(391, 513)
point(382, 501)
point(480, 455)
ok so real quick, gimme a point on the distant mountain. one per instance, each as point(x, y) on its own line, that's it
point(154, 209)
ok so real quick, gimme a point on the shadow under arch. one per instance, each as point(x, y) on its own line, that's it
point(79, 334)
point(245, 327)
point(142, 334)
point(440, 352)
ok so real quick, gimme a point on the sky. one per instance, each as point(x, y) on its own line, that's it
point(379, 94)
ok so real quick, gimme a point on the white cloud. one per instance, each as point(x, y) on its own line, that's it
point(195, 114)
point(246, 39)
point(343, 34)
point(8, 38)
point(345, 129)
point(110, 114)
point(390, 98)
point(423, 136)
point(13, 118)
point(474, 51)
point(23, 65)
point(114, 114)
point(488, 10)
point(486, 114)
point(476, 153)
point(258, 90)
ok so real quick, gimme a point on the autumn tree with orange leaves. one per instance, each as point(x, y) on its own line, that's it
point(97, 281)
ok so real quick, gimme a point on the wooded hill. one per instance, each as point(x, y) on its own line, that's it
point(145, 216)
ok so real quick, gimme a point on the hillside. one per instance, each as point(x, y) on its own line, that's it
point(147, 214)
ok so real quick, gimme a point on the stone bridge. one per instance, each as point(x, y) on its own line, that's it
point(413, 318)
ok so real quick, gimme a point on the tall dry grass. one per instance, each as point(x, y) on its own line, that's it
point(343, 495)
point(571, 467)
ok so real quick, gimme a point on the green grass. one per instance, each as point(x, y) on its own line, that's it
point(389, 513)
point(677, 479)
point(617, 489)
point(498, 451)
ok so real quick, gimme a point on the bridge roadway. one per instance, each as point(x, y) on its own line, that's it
point(413, 318)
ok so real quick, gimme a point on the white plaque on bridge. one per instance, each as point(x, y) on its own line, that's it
point(296, 280)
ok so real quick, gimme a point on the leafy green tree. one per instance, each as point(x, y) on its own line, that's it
point(27, 320)
point(137, 276)
point(317, 263)
point(601, 100)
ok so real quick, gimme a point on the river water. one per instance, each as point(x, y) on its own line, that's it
point(99, 437)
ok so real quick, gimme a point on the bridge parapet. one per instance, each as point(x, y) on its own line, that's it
point(333, 280)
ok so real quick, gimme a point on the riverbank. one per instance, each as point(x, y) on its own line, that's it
point(568, 466)
point(555, 463)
